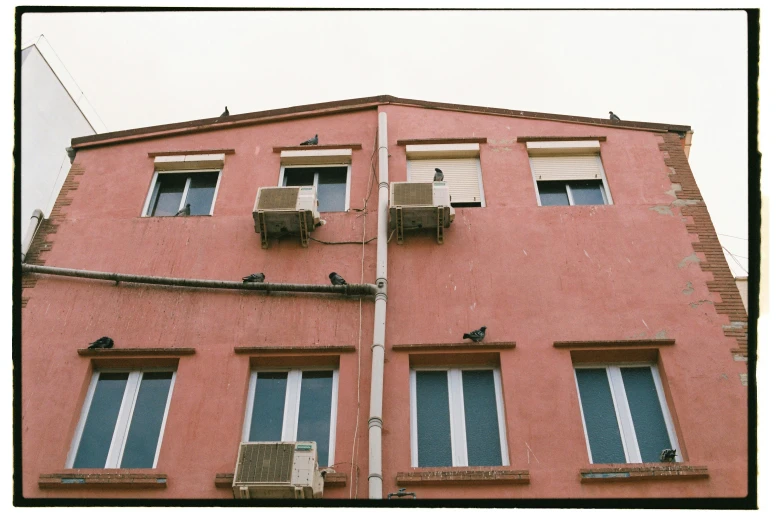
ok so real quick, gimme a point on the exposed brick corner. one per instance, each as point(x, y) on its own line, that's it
point(122, 480)
point(689, 199)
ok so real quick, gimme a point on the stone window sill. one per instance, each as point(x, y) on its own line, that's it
point(452, 476)
point(122, 480)
point(628, 472)
point(332, 480)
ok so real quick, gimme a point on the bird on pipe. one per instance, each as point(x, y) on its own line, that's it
point(477, 335)
point(185, 211)
point(336, 279)
point(102, 343)
point(254, 277)
point(614, 117)
point(439, 176)
point(225, 113)
point(311, 142)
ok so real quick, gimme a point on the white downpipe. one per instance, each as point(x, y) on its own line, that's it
point(37, 217)
point(380, 302)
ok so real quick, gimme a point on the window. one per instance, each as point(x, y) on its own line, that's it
point(460, 165)
point(568, 173)
point(293, 405)
point(457, 418)
point(122, 420)
point(625, 415)
point(172, 191)
point(331, 184)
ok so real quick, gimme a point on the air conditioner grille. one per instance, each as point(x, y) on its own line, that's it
point(278, 198)
point(267, 462)
point(413, 194)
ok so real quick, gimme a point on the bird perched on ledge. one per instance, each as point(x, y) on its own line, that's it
point(477, 335)
point(668, 455)
point(439, 176)
point(184, 212)
point(336, 279)
point(102, 343)
point(254, 277)
point(225, 113)
point(311, 142)
point(614, 117)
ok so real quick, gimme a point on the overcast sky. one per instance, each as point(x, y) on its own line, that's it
point(678, 67)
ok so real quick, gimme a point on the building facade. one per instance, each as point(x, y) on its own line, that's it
point(614, 358)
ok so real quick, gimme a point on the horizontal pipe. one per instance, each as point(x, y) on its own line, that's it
point(32, 229)
point(349, 289)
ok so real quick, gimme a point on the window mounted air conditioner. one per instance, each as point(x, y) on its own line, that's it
point(420, 205)
point(277, 470)
point(281, 211)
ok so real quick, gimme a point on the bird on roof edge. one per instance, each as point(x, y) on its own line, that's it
point(254, 277)
point(311, 142)
point(336, 280)
point(184, 212)
point(614, 117)
point(439, 176)
point(102, 343)
point(477, 335)
point(225, 113)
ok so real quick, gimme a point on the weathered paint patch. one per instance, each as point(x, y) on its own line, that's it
point(743, 378)
point(739, 358)
point(662, 210)
point(673, 189)
point(660, 334)
point(691, 259)
point(699, 303)
point(680, 203)
point(735, 325)
point(689, 289)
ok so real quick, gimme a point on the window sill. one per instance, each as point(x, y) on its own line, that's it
point(450, 476)
point(634, 472)
point(122, 480)
point(332, 480)
point(135, 352)
point(454, 345)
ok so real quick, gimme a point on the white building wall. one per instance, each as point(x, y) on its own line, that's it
point(50, 118)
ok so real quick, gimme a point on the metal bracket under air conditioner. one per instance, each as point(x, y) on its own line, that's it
point(303, 229)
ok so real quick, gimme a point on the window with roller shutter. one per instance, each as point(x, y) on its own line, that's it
point(460, 165)
point(568, 173)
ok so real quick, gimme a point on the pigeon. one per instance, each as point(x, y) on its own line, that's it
point(614, 117)
point(254, 277)
point(185, 211)
point(438, 175)
point(102, 343)
point(668, 455)
point(336, 279)
point(311, 142)
point(225, 113)
point(477, 335)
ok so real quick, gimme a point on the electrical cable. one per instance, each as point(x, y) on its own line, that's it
point(735, 259)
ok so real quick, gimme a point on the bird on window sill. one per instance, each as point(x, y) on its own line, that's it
point(668, 455)
point(477, 335)
point(102, 343)
point(184, 212)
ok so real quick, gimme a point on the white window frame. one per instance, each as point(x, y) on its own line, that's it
point(607, 199)
point(626, 426)
point(283, 179)
point(126, 409)
point(292, 402)
point(458, 445)
point(150, 194)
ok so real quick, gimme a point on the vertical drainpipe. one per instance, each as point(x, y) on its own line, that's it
point(380, 302)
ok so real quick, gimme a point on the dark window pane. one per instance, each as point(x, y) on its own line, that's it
point(314, 411)
point(101, 420)
point(168, 194)
point(601, 424)
point(268, 408)
point(553, 193)
point(331, 188)
point(201, 192)
point(433, 419)
point(650, 429)
point(147, 421)
point(586, 192)
point(482, 422)
point(299, 176)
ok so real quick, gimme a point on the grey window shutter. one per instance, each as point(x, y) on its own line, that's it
point(461, 174)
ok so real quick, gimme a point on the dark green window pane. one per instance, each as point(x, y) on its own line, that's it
point(168, 194)
point(482, 421)
point(586, 192)
point(299, 176)
point(101, 420)
point(268, 407)
point(650, 429)
point(602, 430)
point(201, 192)
point(553, 193)
point(147, 421)
point(314, 411)
point(433, 421)
point(331, 188)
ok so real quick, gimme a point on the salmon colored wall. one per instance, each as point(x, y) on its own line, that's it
point(532, 274)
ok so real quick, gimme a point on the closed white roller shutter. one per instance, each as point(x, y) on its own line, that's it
point(570, 167)
point(461, 174)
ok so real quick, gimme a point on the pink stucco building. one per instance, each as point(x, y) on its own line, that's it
point(613, 363)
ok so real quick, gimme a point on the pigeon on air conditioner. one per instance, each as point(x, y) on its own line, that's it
point(614, 117)
point(225, 113)
point(311, 142)
point(336, 280)
point(254, 277)
point(438, 175)
point(668, 455)
point(102, 343)
point(477, 335)
point(185, 211)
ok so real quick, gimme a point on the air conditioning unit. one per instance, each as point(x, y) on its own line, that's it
point(280, 211)
point(277, 470)
point(423, 205)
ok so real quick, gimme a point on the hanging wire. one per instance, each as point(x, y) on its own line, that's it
point(731, 236)
point(735, 259)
